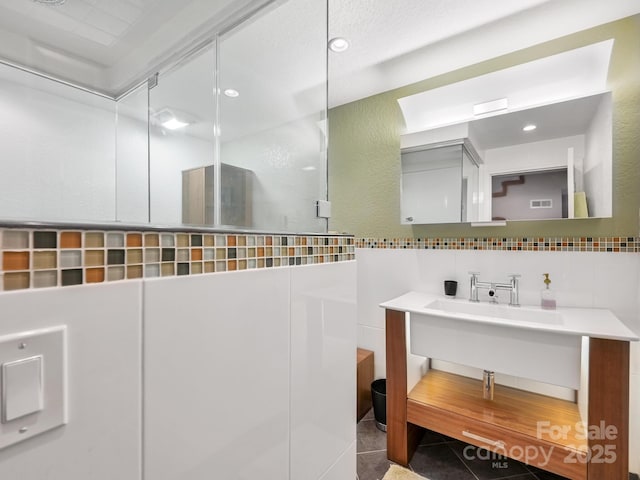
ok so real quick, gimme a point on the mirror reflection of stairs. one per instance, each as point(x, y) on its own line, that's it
point(505, 186)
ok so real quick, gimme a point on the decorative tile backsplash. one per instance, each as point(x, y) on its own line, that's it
point(530, 244)
point(59, 258)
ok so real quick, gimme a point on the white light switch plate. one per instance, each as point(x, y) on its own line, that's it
point(33, 386)
point(21, 388)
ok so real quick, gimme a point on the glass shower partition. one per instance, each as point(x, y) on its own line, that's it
point(182, 141)
point(272, 84)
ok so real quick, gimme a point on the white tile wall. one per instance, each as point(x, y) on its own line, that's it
point(323, 370)
point(615, 285)
point(345, 466)
point(217, 376)
point(382, 276)
point(372, 338)
point(102, 439)
point(220, 397)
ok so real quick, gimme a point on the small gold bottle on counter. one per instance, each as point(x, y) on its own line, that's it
point(547, 297)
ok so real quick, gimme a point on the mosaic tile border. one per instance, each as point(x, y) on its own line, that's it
point(59, 258)
point(528, 244)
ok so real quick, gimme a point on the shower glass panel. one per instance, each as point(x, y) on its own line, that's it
point(57, 145)
point(182, 141)
point(272, 111)
point(132, 153)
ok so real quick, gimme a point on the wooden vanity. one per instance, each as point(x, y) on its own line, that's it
point(535, 429)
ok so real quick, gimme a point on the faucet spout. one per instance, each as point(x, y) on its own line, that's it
point(512, 287)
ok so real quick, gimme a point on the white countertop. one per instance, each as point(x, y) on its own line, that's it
point(591, 322)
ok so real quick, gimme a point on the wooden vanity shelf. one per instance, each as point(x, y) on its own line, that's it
point(453, 405)
point(508, 424)
point(364, 377)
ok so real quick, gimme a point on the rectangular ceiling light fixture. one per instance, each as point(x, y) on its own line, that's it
point(490, 107)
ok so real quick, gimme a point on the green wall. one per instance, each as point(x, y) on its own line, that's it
point(364, 150)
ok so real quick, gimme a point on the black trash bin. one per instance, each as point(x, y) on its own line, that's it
point(379, 400)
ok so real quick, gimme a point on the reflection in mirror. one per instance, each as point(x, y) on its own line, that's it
point(273, 119)
point(530, 196)
point(181, 141)
point(132, 156)
point(546, 115)
point(439, 184)
point(235, 140)
point(57, 145)
point(552, 161)
point(548, 162)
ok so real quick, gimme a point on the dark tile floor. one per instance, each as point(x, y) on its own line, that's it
point(439, 458)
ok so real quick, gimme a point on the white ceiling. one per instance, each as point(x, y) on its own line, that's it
point(557, 120)
point(109, 44)
point(399, 42)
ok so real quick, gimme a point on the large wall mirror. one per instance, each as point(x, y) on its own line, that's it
point(542, 163)
point(231, 135)
point(530, 154)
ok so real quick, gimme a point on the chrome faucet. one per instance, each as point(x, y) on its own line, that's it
point(512, 287)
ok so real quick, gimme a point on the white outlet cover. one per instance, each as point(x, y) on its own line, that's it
point(49, 347)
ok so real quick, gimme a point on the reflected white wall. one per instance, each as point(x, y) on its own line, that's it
point(185, 93)
point(290, 175)
point(57, 148)
point(171, 154)
point(597, 163)
point(132, 157)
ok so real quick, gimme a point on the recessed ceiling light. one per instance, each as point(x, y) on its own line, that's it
point(174, 124)
point(529, 128)
point(171, 118)
point(309, 168)
point(338, 44)
point(230, 92)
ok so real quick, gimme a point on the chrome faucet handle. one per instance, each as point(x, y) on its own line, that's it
point(473, 288)
point(514, 296)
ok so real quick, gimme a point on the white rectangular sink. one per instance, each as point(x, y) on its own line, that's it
point(527, 342)
point(496, 311)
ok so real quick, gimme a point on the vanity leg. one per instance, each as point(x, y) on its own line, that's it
point(402, 437)
point(609, 409)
